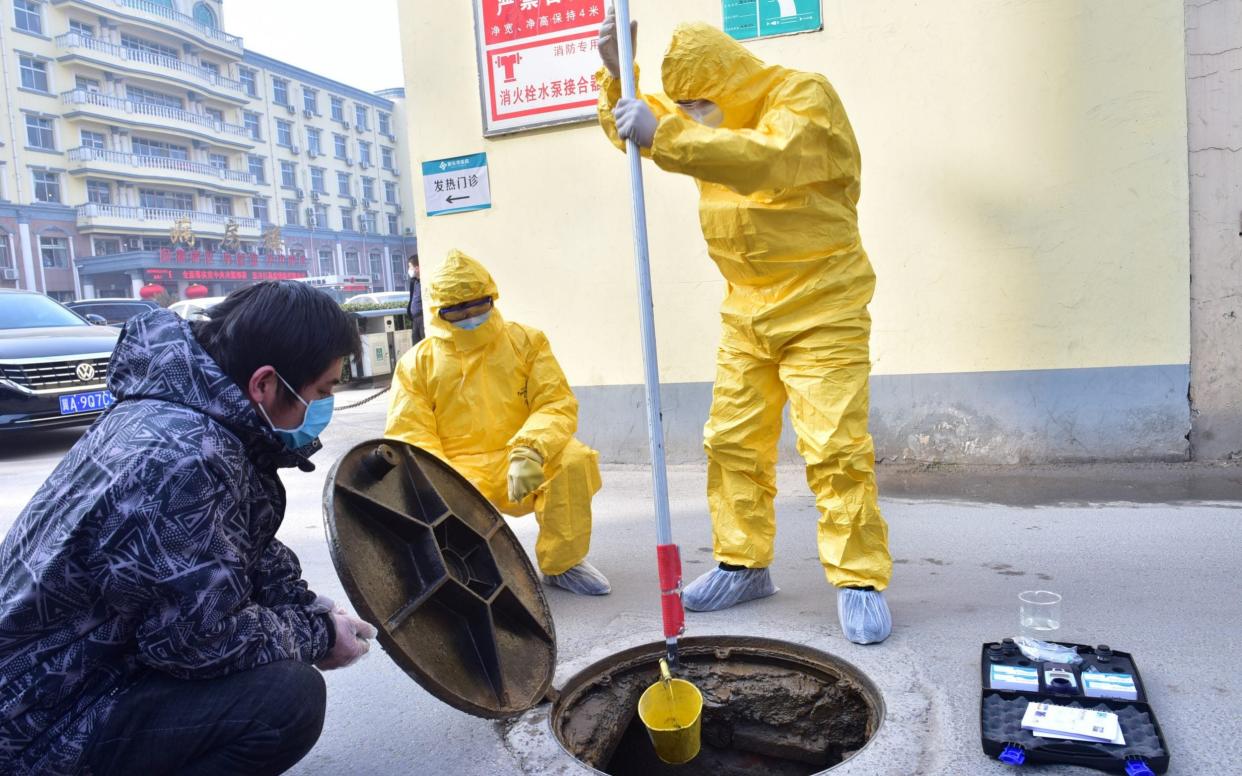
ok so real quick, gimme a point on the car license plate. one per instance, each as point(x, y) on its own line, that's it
point(79, 403)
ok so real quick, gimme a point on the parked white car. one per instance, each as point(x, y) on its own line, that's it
point(195, 309)
point(392, 298)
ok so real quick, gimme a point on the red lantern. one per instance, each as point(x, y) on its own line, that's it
point(151, 290)
point(196, 291)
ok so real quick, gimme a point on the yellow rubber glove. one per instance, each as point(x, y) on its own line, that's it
point(525, 473)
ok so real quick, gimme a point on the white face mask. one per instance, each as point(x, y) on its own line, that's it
point(705, 112)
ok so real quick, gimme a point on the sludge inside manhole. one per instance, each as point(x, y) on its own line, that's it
point(769, 707)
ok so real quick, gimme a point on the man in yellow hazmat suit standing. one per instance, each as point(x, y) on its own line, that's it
point(487, 396)
point(778, 172)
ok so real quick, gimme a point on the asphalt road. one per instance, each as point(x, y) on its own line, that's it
point(1146, 557)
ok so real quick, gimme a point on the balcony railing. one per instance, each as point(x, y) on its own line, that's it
point(87, 97)
point(161, 10)
point(129, 213)
point(159, 163)
point(75, 40)
point(199, 28)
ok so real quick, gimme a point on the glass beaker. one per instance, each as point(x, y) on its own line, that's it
point(1039, 614)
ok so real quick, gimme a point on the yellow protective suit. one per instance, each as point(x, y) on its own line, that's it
point(470, 397)
point(778, 194)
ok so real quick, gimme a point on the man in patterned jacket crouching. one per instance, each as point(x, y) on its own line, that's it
point(150, 622)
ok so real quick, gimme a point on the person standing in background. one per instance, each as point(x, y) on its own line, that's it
point(415, 305)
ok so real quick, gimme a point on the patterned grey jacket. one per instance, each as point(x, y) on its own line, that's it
point(150, 547)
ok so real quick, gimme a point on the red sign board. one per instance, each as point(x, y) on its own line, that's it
point(537, 61)
point(243, 275)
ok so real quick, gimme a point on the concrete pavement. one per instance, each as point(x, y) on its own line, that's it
point(1146, 557)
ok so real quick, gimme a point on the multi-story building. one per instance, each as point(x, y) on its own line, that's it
point(143, 143)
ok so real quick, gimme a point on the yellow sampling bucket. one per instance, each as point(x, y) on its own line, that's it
point(672, 710)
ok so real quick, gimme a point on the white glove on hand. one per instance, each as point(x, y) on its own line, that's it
point(352, 641)
point(635, 121)
point(608, 51)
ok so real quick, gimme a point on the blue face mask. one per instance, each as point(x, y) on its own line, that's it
point(318, 415)
point(470, 324)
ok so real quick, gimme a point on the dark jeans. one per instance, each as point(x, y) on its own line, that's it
point(255, 722)
point(416, 328)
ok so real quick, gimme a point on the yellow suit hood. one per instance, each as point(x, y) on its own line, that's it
point(703, 63)
point(460, 279)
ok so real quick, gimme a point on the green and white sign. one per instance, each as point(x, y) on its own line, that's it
point(750, 19)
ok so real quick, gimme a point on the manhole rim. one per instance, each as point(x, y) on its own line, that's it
point(653, 651)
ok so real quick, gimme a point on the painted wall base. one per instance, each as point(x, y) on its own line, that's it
point(1044, 416)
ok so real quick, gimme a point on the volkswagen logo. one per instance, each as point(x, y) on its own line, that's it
point(86, 371)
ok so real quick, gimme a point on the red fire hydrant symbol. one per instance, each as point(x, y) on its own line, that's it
point(509, 63)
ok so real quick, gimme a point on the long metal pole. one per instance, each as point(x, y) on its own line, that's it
point(646, 320)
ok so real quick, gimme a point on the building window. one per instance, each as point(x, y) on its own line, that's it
point(338, 108)
point(222, 206)
point(99, 192)
point(351, 263)
point(343, 184)
point(360, 116)
point(106, 246)
point(364, 153)
point(46, 186)
point(340, 145)
point(321, 215)
point(393, 224)
point(40, 133)
point(218, 161)
point(317, 180)
point(326, 264)
point(55, 252)
point(86, 84)
point(377, 269)
point(284, 133)
point(314, 141)
point(34, 74)
point(95, 140)
point(214, 115)
point(367, 222)
point(280, 91)
point(386, 160)
point(291, 212)
point(210, 66)
point(81, 28)
point(288, 175)
point(385, 124)
point(257, 168)
point(6, 259)
point(310, 100)
point(205, 16)
point(347, 223)
point(258, 208)
point(251, 121)
point(249, 80)
point(29, 15)
point(148, 97)
point(148, 47)
point(368, 188)
point(165, 200)
point(390, 192)
point(144, 147)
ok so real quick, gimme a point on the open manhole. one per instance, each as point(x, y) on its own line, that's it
point(769, 707)
point(425, 557)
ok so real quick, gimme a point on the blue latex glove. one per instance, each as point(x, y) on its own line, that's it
point(635, 121)
point(864, 615)
point(719, 589)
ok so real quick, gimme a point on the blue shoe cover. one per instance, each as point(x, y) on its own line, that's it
point(864, 615)
point(719, 589)
point(583, 579)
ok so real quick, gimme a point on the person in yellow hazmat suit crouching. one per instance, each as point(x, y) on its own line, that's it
point(777, 168)
point(487, 396)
